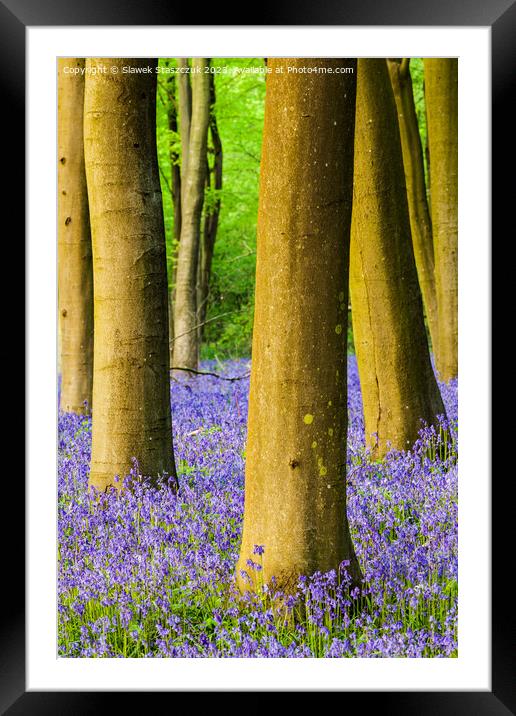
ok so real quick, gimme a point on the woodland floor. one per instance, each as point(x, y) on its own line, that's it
point(152, 573)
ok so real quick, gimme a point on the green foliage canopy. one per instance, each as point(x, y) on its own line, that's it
point(239, 108)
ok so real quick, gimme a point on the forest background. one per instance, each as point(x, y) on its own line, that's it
point(239, 108)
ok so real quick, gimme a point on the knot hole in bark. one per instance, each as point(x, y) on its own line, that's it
point(293, 463)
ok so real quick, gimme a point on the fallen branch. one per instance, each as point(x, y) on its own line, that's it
point(215, 375)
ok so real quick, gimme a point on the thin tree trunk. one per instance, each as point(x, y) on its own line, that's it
point(171, 329)
point(185, 111)
point(441, 86)
point(176, 200)
point(75, 273)
point(199, 281)
point(211, 216)
point(428, 176)
point(174, 160)
point(295, 482)
point(398, 384)
point(184, 93)
point(131, 388)
point(186, 344)
point(420, 225)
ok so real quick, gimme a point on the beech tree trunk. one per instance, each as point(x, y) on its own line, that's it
point(428, 176)
point(75, 274)
point(398, 384)
point(420, 225)
point(186, 344)
point(211, 215)
point(175, 168)
point(176, 201)
point(131, 388)
point(295, 479)
point(185, 110)
point(441, 87)
point(184, 101)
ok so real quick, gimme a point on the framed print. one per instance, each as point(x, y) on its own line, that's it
point(37, 675)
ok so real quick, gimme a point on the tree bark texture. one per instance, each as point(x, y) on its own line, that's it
point(185, 109)
point(419, 214)
point(211, 215)
point(75, 274)
point(441, 95)
point(186, 344)
point(398, 384)
point(175, 170)
point(295, 480)
point(131, 388)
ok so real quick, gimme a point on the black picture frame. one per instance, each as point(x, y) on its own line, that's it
point(15, 16)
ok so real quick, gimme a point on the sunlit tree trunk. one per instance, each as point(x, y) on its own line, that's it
point(75, 275)
point(428, 176)
point(420, 226)
point(186, 344)
point(175, 171)
point(295, 480)
point(131, 389)
point(398, 384)
point(184, 112)
point(184, 87)
point(441, 87)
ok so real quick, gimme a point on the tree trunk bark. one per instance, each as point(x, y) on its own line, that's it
point(428, 176)
point(175, 160)
point(420, 226)
point(131, 388)
point(441, 86)
point(75, 282)
point(184, 94)
point(211, 216)
point(398, 384)
point(186, 344)
point(295, 482)
point(185, 110)
point(176, 200)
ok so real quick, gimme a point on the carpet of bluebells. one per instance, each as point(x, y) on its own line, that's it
point(150, 573)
